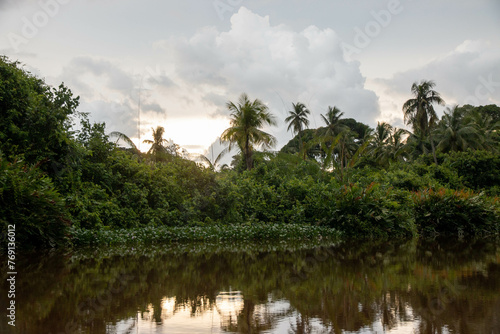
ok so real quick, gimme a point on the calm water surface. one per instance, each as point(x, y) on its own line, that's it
point(388, 287)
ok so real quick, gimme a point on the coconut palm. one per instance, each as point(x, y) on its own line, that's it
point(159, 144)
point(488, 130)
point(212, 162)
point(123, 137)
point(247, 119)
point(346, 149)
point(298, 120)
point(398, 148)
point(419, 112)
point(333, 134)
point(380, 142)
point(332, 121)
point(456, 133)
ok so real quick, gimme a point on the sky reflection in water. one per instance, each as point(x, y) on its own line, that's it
point(379, 287)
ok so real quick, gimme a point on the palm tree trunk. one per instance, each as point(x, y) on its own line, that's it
point(248, 155)
point(300, 141)
point(301, 146)
point(248, 160)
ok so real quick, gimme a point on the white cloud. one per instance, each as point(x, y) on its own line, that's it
point(470, 74)
point(200, 62)
point(273, 63)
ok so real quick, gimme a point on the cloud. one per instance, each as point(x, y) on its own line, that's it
point(153, 107)
point(118, 116)
point(273, 63)
point(469, 74)
point(107, 92)
point(17, 54)
point(115, 78)
point(6, 4)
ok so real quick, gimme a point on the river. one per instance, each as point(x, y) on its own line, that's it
point(416, 286)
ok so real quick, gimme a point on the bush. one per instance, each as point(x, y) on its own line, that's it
point(29, 201)
point(35, 118)
point(448, 211)
point(371, 212)
point(480, 170)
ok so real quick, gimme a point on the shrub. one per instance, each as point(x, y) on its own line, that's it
point(29, 201)
point(448, 211)
point(480, 170)
point(35, 118)
point(371, 212)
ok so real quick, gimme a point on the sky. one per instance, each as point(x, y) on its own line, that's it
point(177, 63)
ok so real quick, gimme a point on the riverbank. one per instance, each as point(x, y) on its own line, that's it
point(80, 187)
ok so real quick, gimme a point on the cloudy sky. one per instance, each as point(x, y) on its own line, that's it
point(179, 62)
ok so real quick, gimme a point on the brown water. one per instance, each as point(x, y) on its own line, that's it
point(410, 287)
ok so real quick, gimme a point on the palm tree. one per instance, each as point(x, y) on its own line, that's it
point(158, 144)
point(419, 112)
point(380, 142)
point(333, 133)
point(346, 149)
point(342, 151)
point(121, 136)
point(332, 121)
point(398, 148)
point(247, 119)
point(455, 133)
point(212, 163)
point(298, 120)
point(488, 130)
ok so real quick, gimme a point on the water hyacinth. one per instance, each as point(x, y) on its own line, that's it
point(213, 233)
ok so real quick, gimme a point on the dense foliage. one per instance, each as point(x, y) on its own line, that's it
point(345, 176)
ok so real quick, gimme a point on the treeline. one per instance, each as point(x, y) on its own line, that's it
point(56, 183)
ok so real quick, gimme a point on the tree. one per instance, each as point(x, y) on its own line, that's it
point(35, 119)
point(247, 119)
point(398, 149)
point(161, 148)
point(380, 142)
point(121, 136)
point(333, 135)
point(347, 149)
point(298, 120)
point(332, 121)
point(419, 112)
point(487, 124)
point(456, 133)
point(38, 155)
point(212, 163)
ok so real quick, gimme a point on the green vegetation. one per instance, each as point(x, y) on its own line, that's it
point(65, 186)
point(211, 233)
point(247, 119)
point(420, 114)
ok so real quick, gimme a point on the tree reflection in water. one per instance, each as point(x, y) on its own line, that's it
point(432, 286)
